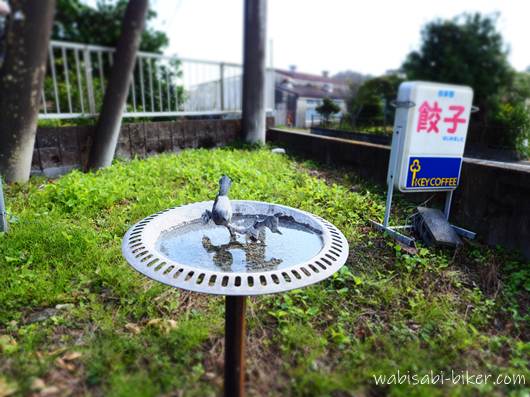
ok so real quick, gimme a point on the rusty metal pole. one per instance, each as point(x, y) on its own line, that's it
point(235, 334)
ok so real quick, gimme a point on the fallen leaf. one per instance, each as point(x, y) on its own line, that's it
point(64, 365)
point(57, 351)
point(71, 356)
point(135, 329)
point(37, 384)
point(49, 391)
point(154, 321)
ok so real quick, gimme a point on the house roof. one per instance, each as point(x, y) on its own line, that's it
point(311, 91)
point(309, 77)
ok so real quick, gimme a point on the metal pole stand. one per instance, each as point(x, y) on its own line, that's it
point(235, 334)
point(3, 212)
point(392, 231)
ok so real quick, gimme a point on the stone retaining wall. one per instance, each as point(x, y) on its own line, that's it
point(60, 149)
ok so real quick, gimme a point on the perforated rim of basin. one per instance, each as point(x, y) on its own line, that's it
point(139, 249)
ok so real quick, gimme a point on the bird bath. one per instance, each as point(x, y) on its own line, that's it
point(177, 248)
point(211, 248)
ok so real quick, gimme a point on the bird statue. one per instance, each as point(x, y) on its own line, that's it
point(271, 221)
point(221, 215)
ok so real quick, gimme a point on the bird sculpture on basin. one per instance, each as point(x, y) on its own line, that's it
point(221, 215)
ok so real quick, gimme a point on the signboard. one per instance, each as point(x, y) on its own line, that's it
point(430, 132)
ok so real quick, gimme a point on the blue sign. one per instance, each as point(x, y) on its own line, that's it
point(433, 173)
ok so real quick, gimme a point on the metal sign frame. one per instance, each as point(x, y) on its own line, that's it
point(394, 173)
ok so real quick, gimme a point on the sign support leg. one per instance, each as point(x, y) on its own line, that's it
point(386, 220)
point(447, 210)
point(388, 204)
point(235, 334)
point(447, 206)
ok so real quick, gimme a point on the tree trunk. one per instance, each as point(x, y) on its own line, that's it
point(108, 128)
point(21, 77)
point(255, 35)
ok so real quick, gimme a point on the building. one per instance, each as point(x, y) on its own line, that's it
point(205, 95)
point(297, 95)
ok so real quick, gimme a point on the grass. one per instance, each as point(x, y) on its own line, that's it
point(75, 319)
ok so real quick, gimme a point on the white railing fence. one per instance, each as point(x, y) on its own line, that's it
point(77, 74)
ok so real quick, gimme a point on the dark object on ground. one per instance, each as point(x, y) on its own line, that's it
point(434, 229)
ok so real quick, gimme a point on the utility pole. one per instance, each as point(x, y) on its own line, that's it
point(254, 43)
point(27, 38)
point(109, 123)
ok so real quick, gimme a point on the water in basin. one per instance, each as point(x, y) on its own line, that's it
point(209, 246)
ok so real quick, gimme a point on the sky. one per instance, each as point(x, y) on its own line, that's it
point(369, 37)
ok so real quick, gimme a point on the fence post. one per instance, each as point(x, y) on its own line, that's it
point(89, 83)
point(222, 85)
point(3, 213)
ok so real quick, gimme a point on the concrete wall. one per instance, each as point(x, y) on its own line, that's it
point(493, 198)
point(356, 136)
point(60, 149)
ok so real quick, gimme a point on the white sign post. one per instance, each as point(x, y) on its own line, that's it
point(430, 129)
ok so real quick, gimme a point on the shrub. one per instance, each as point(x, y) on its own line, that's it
point(512, 124)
